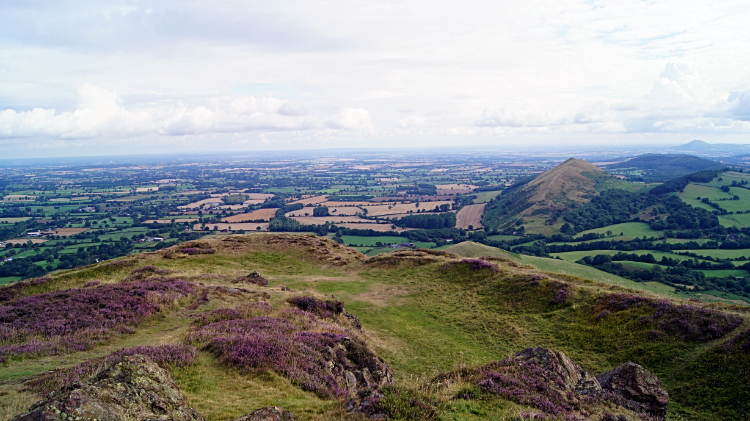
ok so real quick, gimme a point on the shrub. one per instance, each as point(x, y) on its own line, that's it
point(474, 264)
point(177, 355)
point(76, 319)
point(686, 322)
point(325, 309)
point(294, 345)
point(242, 312)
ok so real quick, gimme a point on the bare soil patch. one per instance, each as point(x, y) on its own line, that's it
point(69, 231)
point(334, 211)
point(311, 200)
point(247, 226)
point(25, 240)
point(260, 214)
point(381, 295)
point(403, 208)
point(371, 226)
point(470, 215)
point(308, 220)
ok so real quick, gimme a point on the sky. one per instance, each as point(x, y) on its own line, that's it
point(135, 77)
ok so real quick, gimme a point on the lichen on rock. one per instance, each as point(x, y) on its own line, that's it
point(135, 388)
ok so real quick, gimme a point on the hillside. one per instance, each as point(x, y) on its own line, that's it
point(255, 323)
point(540, 201)
point(663, 167)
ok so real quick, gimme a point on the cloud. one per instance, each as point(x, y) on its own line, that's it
point(680, 101)
point(412, 121)
point(100, 112)
point(528, 118)
point(740, 105)
point(351, 119)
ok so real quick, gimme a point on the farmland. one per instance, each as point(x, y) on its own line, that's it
point(86, 214)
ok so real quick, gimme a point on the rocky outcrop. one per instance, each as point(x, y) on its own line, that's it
point(253, 277)
point(565, 375)
point(636, 388)
point(133, 389)
point(356, 369)
point(552, 383)
point(270, 413)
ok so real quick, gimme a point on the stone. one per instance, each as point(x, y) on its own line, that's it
point(636, 388)
point(135, 388)
point(566, 375)
point(270, 413)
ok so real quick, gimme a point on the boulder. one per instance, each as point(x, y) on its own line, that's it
point(133, 389)
point(356, 368)
point(636, 388)
point(566, 375)
point(269, 413)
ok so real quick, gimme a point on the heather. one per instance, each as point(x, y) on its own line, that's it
point(178, 355)
point(325, 309)
point(685, 322)
point(314, 355)
point(242, 312)
point(193, 249)
point(17, 289)
point(474, 265)
point(526, 384)
point(76, 319)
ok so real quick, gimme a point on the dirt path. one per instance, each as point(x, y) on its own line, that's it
point(470, 215)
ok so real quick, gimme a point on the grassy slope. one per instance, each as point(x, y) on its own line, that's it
point(420, 318)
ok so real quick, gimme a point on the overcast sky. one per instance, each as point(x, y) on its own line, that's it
point(121, 77)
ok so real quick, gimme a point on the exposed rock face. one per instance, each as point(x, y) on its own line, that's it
point(357, 369)
point(637, 389)
point(566, 374)
point(133, 389)
point(270, 413)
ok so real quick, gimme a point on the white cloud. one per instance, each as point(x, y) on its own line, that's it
point(101, 112)
point(351, 119)
point(496, 69)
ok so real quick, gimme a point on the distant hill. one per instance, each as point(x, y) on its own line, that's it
point(696, 146)
point(663, 167)
point(545, 197)
point(700, 146)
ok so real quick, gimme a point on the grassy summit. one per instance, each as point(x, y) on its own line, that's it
point(540, 201)
point(424, 313)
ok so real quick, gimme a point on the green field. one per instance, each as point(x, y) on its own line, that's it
point(8, 279)
point(721, 253)
point(13, 220)
point(357, 240)
point(485, 196)
point(737, 220)
point(629, 230)
point(572, 256)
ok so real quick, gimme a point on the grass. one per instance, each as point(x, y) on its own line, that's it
point(736, 220)
point(573, 256)
point(372, 241)
point(486, 196)
point(13, 220)
point(630, 230)
point(9, 279)
point(721, 253)
point(420, 318)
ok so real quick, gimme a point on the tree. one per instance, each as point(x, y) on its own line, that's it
point(320, 211)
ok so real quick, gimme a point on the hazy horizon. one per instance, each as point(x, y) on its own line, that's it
point(141, 77)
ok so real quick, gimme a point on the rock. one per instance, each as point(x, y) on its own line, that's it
point(354, 320)
point(636, 388)
point(357, 369)
point(366, 402)
point(566, 375)
point(270, 413)
point(133, 389)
